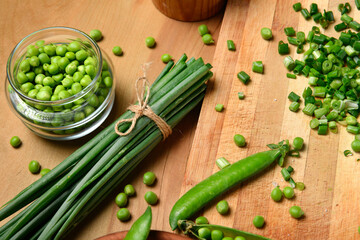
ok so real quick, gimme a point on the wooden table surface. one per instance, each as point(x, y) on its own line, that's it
point(331, 198)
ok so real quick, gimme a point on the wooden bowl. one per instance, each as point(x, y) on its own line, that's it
point(154, 235)
point(189, 10)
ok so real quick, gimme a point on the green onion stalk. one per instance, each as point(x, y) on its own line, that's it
point(58, 201)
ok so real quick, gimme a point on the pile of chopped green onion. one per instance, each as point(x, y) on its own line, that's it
point(59, 200)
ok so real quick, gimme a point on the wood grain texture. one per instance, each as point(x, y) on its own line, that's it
point(330, 200)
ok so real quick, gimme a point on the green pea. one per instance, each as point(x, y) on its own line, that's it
point(26, 87)
point(129, 190)
point(74, 46)
point(239, 140)
point(34, 61)
point(53, 69)
point(79, 101)
point(204, 233)
point(64, 94)
point(203, 29)
point(71, 69)
point(296, 212)
point(123, 214)
point(150, 42)
point(217, 235)
point(149, 178)
point(21, 77)
point(85, 81)
point(239, 238)
point(76, 88)
point(25, 65)
point(50, 50)
point(298, 143)
point(222, 207)
point(258, 221)
point(151, 198)
point(105, 65)
point(93, 100)
point(121, 200)
point(61, 50)
point(67, 82)
point(79, 116)
point(77, 76)
point(30, 76)
point(32, 93)
point(117, 51)
point(15, 141)
point(63, 62)
point(34, 167)
point(70, 55)
point(90, 70)
point(355, 145)
point(44, 58)
point(38, 86)
point(90, 61)
point(101, 99)
point(105, 74)
point(45, 67)
point(266, 33)
point(166, 58)
point(48, 81)
point(43, 95)
point(58, 77)
point(33, 51)
point(44, 171)
point(58, 89)
point(81, 69)
point(96, 35)
point(201, 220)
point(276, 194)
point(103, 92)
point(207, 39)
point(219, 107)
point(89, 110)
point(39, 78)
point(38, 70)
point(41, 49)
point(71, 92)
point(108, 82)
point(288, 192)
point(75, 62)
point(40, 43)
point(81, 55)
point(47, 89)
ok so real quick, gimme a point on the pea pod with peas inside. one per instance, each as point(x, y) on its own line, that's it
point(141, 227)
point(207, 190)
point(191, 228)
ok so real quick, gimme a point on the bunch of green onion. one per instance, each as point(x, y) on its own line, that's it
point(332, 67)
point(62, 198)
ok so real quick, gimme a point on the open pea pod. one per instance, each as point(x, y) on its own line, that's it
point(191, 228)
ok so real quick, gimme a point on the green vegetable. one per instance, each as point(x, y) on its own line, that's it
point(222, 163)
point(293, 97)
point(149, 178)
point(241, 95)
point(222, 207)
point(34, 167)
point(141, 227)
point(44, 171)
point(296, 212)
point(204, 233)
point(15, 141)
point(239, 140)
point(166, 58)
point(290, 75)
point(355, 145)
point(266, 33)
point(297, 7)
point(305, 13)
point(276, 194)
point(121, 200)
point(203, 29)
point(201, 220)
point(150, 42)
point(283, 48)
point(117, 51)
point(201, 194)
point(129, 190)
point(288, 192)
point(258, 221)
point(294, 106)
point(96, 35)
point(123, 214)
point(151, 198)
point(300, 186)
point(258, 67)
point(289, 31)
point(230, 45)
point(347, 153)
point(285, 174)
point(192, 229)
point(207, 39)
point(243, 77)
point(219, 107)
point(216, 234)
point(298, 143)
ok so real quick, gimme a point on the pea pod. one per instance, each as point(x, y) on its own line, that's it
point(190, 228)
point(141, 227)
point(201, 194)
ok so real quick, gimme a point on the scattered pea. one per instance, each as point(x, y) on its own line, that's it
point(166, 58)
point(266, 33)
point(121, 200)
point(201, 220)
point(123, 214)
point(239, 238)
point(44, 171)
point(117, 51)
point(15, 141)
point(149, 178)
point(150, 42)
point(207, 39)
point(298, 143)
point(296, 212)
point(129, 190)
point(258, 221)
point(96, 35)
point(34, 167)
point(151, 198)
point(355, 145)
point(219, 107)
point(204, 233)
point(203, 29)
point(300, 186)
point(222, 207)
point(288, 192)
point(276, 194)
point(217, 235)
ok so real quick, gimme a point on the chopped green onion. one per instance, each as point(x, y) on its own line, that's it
point(322, 130)
point(321, 112)
point(222, 163)
point(341, 26)
point(293, 97)
point(310, 36)
point(289, 31)
point(346, 18)
point(244, 77)
point(357, 3)
point(293, 41)
point(292, 183)
point(332, 124)
point(352, 129)
point(351, 120)
point(283, 48)
point(354, 25)
point(320, 91)
point(290, 169)
point(305, 13)
point(313, 9)
point(314, 123)
point(348, 153)
point(317, 17)
point(241, 95)
point(231, 45)
point(290, 75)
point(300, 186)
point(309, 109)
point(297, 7)
point(294, 106)
point(258, 67)
point(285, 174)
point(289, 63)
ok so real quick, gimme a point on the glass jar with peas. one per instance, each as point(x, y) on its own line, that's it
point(60, 83)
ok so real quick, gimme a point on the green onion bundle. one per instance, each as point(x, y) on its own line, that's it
point(58, 201)
point(332, 67)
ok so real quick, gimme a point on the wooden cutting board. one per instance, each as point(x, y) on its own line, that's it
point(331, 198)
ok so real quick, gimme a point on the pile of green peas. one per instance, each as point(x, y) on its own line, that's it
point(55, 72)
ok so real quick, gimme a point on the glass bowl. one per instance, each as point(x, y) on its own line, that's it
point(69, 115)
